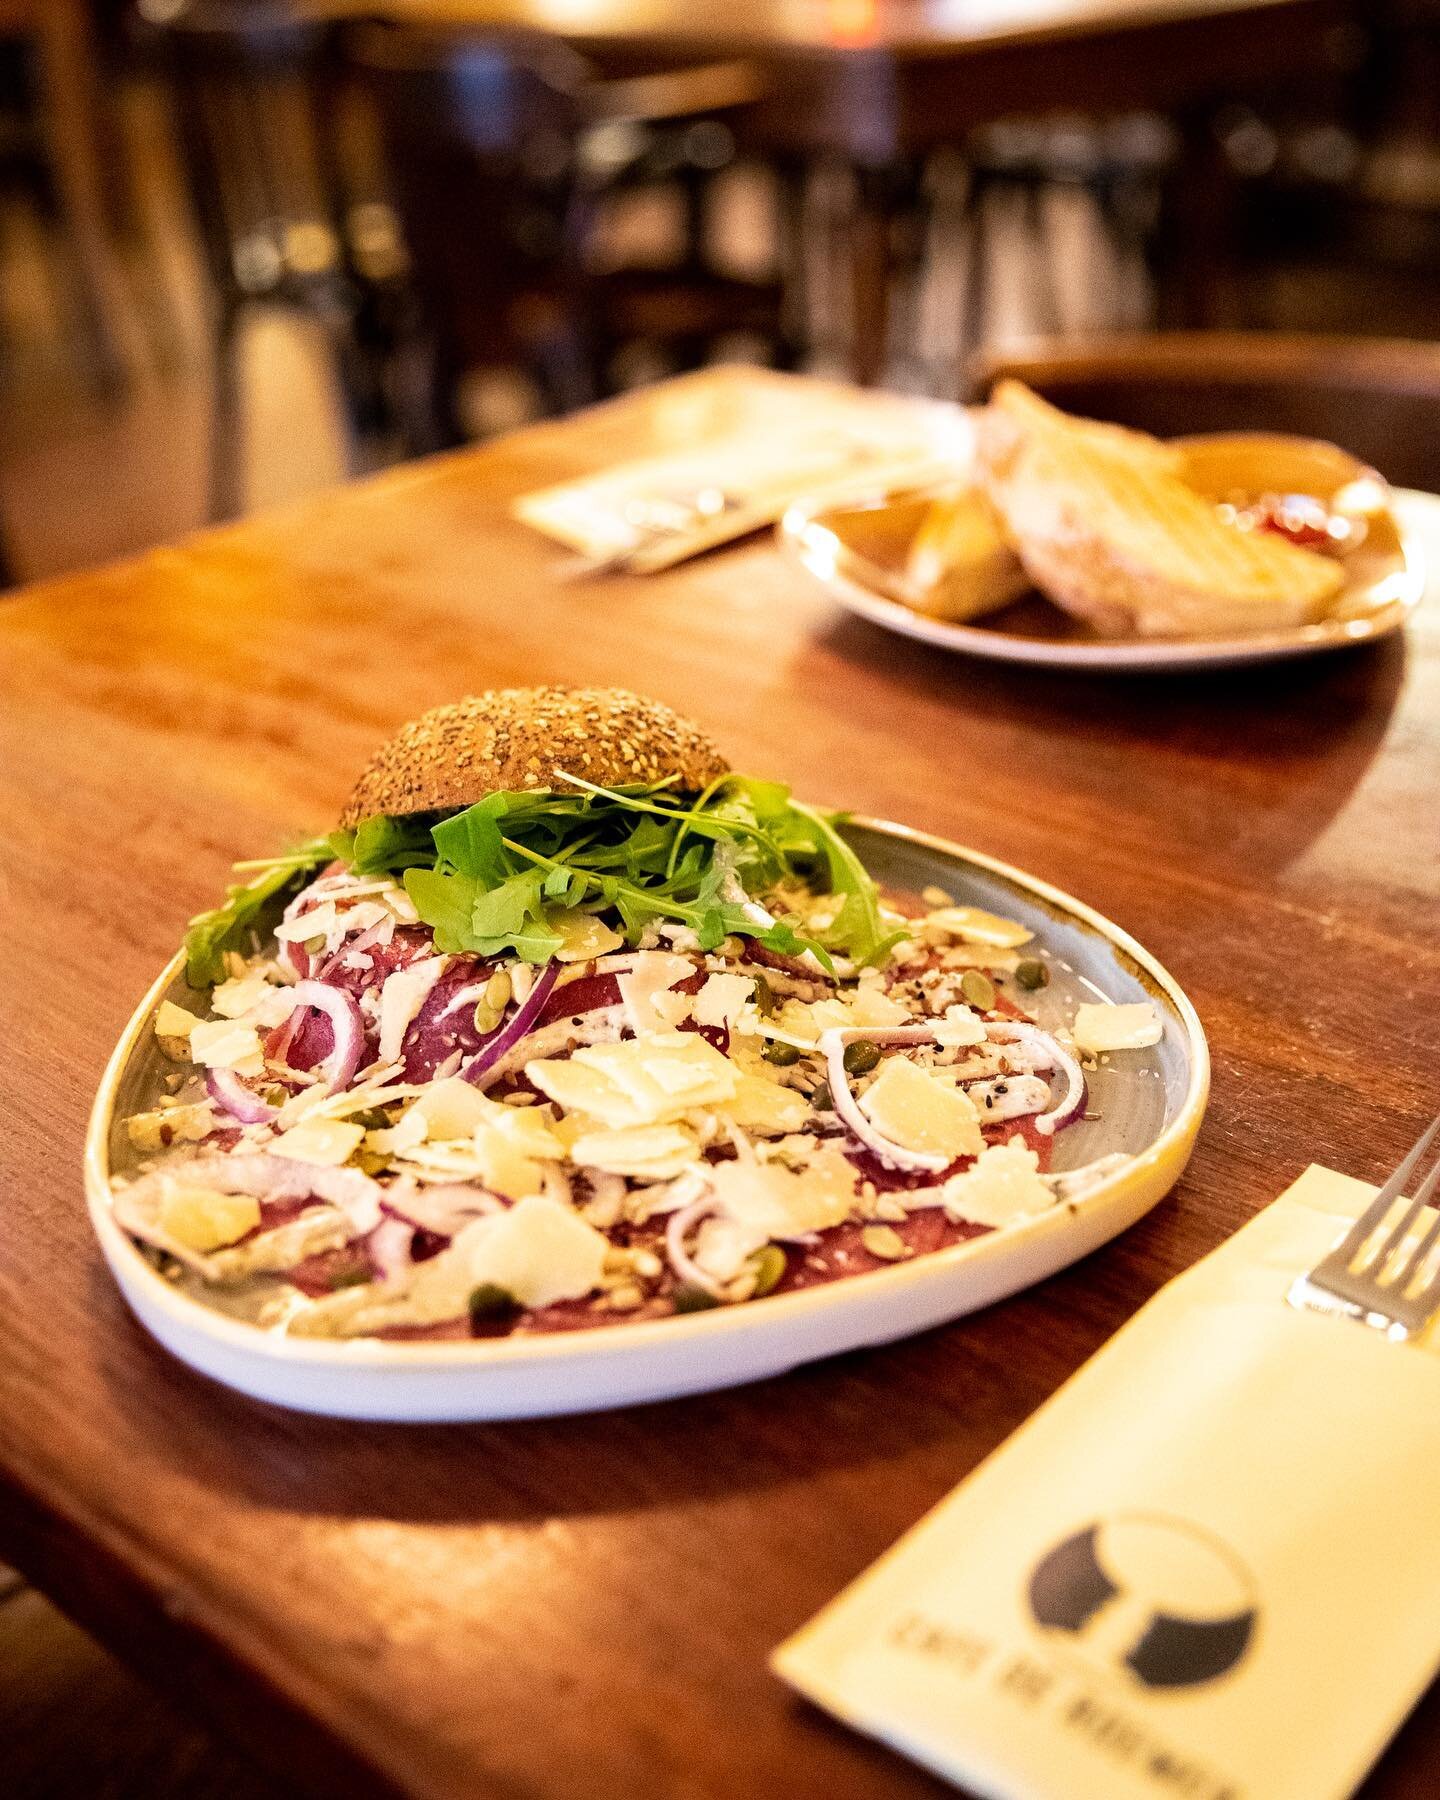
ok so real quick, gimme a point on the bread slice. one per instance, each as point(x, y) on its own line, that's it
point(516, 738)
point(960, 564)
point(1104, 524)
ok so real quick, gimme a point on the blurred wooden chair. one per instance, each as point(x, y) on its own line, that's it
point(1378, 398)
point(252, 104)
point(501, 153)
point(63, 138)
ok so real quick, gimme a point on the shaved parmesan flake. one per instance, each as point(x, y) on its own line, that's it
point(870, 1006)
point(645, 991)
point(447, 1109)
point(922, 1112)
point(204, 1219)
point(645, 1081)
point(723, 1246)
point(1103, 1027)
point(171, 1125)
point(583, 936)
point(960, 1026)
point(173, 1021)
point(401, 998)
point(253, 998)
point(976, 927)
point(511, 1148)
point(718, 1003)
point(540, 1251)
point(327, 1143)
point(766, 1108)
point(316, 922)
point(777, 1202)
point(224, 1044)
point(1004, 1184)
point(650, 1152)
point(504, 1167)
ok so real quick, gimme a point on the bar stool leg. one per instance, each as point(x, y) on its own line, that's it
point(226, 498)
point(870, 274)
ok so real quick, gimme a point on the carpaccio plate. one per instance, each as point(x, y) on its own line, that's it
point(1149, 1104)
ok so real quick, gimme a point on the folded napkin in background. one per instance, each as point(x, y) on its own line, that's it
point(741, 468)
point(1208, 1568)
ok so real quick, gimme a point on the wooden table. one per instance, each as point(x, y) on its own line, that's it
point(878, 83)
point(585, 1606)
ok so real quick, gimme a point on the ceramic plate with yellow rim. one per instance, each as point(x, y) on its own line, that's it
point(867, 555)
point(1143, 1109)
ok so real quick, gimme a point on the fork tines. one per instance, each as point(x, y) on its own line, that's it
point(1380, 1271)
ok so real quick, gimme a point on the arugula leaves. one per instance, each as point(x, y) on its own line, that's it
point(225, 927)
point(497, 877)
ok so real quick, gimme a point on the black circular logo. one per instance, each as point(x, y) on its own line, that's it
point(1149, 1594)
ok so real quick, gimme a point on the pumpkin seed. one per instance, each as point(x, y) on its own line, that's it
point(978, 989)
point(768, 1267)
point(487, 1018)
point(498, 990)
point(689, 1298)
point(885, 1242)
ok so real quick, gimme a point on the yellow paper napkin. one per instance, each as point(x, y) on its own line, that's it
point(739, 468)
point(1207, 1569)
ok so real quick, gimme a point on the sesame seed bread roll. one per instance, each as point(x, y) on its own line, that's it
point(1106, 528)
point(515, 738)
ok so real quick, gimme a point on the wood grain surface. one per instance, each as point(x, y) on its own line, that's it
point(585, 1606)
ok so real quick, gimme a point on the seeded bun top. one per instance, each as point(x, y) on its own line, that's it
point(521, 738)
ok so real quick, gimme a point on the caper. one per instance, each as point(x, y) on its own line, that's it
point(860, 1057)
point(822, 1099)
point(489, 1302)
point(1032, 974)
point(978, 989)
point(768, 1267)
point(688, 1299)
point(782, 1055)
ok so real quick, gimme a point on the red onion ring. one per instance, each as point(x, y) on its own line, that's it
point(389, 1247)
point(676, 1231)
point(1072, 1102)
point(508, 1035)
point(232, 1096)
point(363, 942)
point(445, 1208)
point(348, 1024)
point(831, 1045)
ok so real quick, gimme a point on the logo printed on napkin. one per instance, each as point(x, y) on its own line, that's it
point(1207, 1569)
point(1151, 1595)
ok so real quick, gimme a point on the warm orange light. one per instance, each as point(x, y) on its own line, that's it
point(852, 21)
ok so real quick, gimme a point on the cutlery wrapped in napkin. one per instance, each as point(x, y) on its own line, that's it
point(736, 456)
point(1208, 1568)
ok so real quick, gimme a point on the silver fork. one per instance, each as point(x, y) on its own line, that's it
point(1375, 1273)
point(649, 520)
